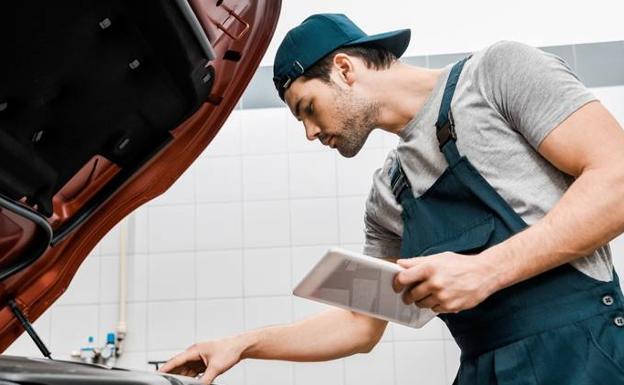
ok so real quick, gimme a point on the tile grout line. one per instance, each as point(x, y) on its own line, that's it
point(243, 234)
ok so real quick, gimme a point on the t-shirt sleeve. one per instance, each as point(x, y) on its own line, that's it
point(382, 221)
point(533, 90)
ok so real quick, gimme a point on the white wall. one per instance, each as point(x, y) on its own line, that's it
point(464, 26)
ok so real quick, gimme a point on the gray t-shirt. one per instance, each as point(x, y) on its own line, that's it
point(508, 99)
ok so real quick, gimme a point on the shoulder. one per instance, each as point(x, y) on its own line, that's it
point(380, 191)
point(382, 217)
point(505, 48)
point(508, 56)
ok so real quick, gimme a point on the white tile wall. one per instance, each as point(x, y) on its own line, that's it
point(419, 362)
point(171, 276)
point(267, 272)
point(171, 325)
point(312, 174)
point(351, 218)
point(217, 318)
point(264, 131)
point(229, 139)
point(275, 372)
point(221, 251)
point(266, 224)
point(218, 179)
point(265, 177)
point(219, 274)
point(314, 221)
point(85, 287)
point(315, 373)
point(171, 228)
point(355, 175)
point(219, 226)
point(371, 369)
point(264, 311)
point(109, 278)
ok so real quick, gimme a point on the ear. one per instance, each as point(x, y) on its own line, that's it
point(344, 65)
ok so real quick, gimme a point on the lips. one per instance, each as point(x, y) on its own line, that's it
point(325, 139)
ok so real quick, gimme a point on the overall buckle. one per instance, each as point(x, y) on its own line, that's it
point(447, 131)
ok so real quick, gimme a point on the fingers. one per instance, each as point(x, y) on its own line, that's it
point(417, 293)
point(428, 302)
point(406, 263)
point(209, 375)
point(417, 270)
point(178, 363)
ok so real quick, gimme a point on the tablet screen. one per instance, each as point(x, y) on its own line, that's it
point(360, 283)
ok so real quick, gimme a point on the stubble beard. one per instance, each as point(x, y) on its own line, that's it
point(356, 120)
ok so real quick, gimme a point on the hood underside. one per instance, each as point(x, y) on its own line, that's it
point(103, 105)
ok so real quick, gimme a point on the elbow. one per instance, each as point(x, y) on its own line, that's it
point(371, 331)
point(368, 347)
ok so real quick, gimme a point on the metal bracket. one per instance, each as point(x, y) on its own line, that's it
point(238, 18)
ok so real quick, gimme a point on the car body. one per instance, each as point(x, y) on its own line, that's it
point(103, 105)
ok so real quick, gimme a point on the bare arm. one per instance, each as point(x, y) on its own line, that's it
point(332, 334)
point(329, 335)
point(588, 145)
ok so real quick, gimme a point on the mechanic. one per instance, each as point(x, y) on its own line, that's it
point(500, 200)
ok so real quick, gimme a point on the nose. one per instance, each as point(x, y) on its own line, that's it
point(312, 130)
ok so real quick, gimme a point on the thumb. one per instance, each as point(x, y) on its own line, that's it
point(209, 375)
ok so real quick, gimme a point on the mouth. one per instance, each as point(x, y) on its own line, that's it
point(326, 140)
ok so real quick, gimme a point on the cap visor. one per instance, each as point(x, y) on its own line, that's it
point(394, 41)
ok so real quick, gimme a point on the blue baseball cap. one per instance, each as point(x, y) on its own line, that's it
point(321, 34)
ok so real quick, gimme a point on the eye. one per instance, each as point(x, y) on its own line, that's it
point(310, 109)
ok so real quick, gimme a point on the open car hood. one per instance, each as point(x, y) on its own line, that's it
point(103, 105)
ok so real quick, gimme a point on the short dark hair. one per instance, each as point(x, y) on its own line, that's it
point(373, 56)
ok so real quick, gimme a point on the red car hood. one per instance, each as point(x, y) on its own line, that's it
point(103, 105)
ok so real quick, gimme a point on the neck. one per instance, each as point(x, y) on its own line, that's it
point(401, 92)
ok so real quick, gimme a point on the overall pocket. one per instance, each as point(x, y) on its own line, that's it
point(606, 346)
point(470, 239)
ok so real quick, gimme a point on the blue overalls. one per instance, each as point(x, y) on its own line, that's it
point(560, 327)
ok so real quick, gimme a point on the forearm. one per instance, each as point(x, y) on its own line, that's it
point(588, 215)
point(332, 334)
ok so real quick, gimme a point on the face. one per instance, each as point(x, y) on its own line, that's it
point(337, 116)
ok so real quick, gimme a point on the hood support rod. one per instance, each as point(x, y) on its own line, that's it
point(29, 329)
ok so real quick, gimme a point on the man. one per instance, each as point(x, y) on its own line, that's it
point(500, 200)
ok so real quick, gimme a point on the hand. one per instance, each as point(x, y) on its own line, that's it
point(211, 358)
point(446, 282)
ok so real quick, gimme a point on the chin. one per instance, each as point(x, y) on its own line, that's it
point(348, 153)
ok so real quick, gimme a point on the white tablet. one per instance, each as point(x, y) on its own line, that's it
point(360, 283)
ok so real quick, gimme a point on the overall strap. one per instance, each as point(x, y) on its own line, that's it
point(445, 126)
point(445, 131)
point(398, 181)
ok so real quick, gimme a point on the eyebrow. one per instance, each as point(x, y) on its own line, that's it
point(297, 109)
